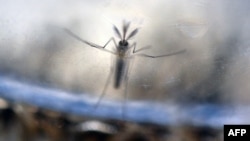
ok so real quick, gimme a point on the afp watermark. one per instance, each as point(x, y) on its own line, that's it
point(239, 132)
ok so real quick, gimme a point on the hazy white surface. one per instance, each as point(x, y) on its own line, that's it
point(214, 33)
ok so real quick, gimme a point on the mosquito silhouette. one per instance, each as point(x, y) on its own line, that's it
point(123, 52)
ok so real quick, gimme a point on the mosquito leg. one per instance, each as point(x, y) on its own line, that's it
point(126, 79)
point(103, 47)
point(90, 43)
point(134, 48)
point(124, 108)
point(164, 55)
point(104, 89)
point(134, 53)
point(111, 39)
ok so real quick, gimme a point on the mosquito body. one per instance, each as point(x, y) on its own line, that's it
point(123, 52)
point(120, 69)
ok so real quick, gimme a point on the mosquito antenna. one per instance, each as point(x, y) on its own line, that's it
point(117, 32)
point(132, 33)
point(125, 29)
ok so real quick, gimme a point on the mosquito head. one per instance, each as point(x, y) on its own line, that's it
point(124, 36)
point(123, 43)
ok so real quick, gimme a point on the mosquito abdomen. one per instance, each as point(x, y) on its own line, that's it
point(119, 72)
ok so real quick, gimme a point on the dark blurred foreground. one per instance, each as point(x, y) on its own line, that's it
point(28, 123)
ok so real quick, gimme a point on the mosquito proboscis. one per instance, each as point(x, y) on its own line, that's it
point(123, 52)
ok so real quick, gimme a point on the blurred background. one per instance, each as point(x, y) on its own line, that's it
point(214, 69)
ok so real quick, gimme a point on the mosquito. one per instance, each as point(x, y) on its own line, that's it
point(123, 51)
